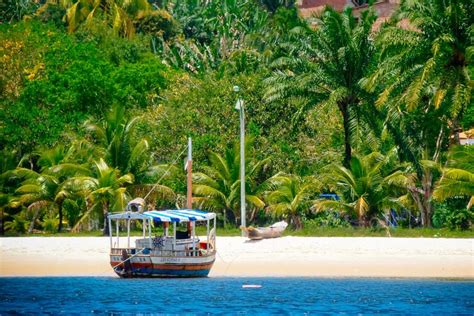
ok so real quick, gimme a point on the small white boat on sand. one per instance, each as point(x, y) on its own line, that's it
point(272, 231)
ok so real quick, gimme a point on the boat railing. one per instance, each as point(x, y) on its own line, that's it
point(163, 253)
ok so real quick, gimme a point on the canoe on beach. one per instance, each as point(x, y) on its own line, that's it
point(272, 231)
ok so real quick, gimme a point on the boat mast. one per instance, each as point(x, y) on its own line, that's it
point(189, 199)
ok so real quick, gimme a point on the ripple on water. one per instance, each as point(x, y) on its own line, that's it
point(226, 295)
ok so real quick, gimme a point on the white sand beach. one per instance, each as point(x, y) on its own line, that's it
point(237, 256)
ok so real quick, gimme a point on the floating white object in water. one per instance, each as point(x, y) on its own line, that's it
point(251, 286)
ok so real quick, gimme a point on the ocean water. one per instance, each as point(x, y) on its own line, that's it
point(108, 295)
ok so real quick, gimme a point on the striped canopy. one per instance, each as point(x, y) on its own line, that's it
point(177, 216)
point(180, 215)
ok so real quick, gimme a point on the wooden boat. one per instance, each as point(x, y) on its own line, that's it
point(175, 254)
point(272, 231)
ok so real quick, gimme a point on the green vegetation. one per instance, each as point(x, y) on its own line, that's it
point(98, 98)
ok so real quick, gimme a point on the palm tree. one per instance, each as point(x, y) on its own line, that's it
point(218, 186)
point(291, 196)
point(424, 85)
point(367, 189)
point(458, 176)
point(325, 66)
point(115, 140)
point(426, 64)
point(45, 189)
point(105, 190)
point(114, 137)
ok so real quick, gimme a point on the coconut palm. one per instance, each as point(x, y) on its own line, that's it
point(114, 137)
point(291, 196)
point(424, 85)
point(115, 140)
point(426, 64)
point(104, 190)
point(217, 188)
point(326, 65)
point(458, 176)
point(45, 189)
point(368, 188)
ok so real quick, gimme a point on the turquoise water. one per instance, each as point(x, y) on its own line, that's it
point(86, 295)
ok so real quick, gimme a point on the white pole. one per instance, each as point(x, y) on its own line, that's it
point(174, 236)
point(193, 234)
point(110, 232)
point(240, 107)
point(128, 232)
point(149, 232)
point(215, 232)
point(144, 228)
point(207, 244)
point(242, 166)
point(189, 168)
point(118, 233)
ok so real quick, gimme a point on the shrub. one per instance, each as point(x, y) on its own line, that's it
point(51, 12)
point(15, 10)
point(50, 223)
point(327, 219)
point(18, 224)
point(452, 218)
point(158, 23)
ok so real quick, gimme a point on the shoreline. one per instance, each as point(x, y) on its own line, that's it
point(326, 257)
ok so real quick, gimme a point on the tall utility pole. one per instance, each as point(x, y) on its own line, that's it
point(240, 107)
point(189, 168)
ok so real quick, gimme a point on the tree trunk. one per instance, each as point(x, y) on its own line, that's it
point(35, 216)
point(422, 198)
point(344, 108)
point(296, 222)
point(428, 192)
point(2, 229)
point(106, 221)
point(231, 216)
point(60, 211)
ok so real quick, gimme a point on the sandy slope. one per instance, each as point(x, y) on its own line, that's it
point(288, 256)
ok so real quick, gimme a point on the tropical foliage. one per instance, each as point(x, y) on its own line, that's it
point(290, 196)
point(218, 187)
point(98, 98)
point(368, 189)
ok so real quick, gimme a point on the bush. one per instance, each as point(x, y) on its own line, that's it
point(52, 13)
point(18, 224)
point(50, 223)
point(452, 218)
point(15, 10)
point(327, 219)
point(158, 23)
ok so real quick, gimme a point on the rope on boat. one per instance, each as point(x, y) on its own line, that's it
point(122, 262)
point(166, 172)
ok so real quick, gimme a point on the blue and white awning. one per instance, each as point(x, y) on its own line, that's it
point(177, 216)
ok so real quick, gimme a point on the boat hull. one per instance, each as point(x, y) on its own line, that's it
point(147, 266)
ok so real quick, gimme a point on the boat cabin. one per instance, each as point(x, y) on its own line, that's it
point(174, 253)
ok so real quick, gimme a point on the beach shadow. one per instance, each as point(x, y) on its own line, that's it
point(251, 241)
